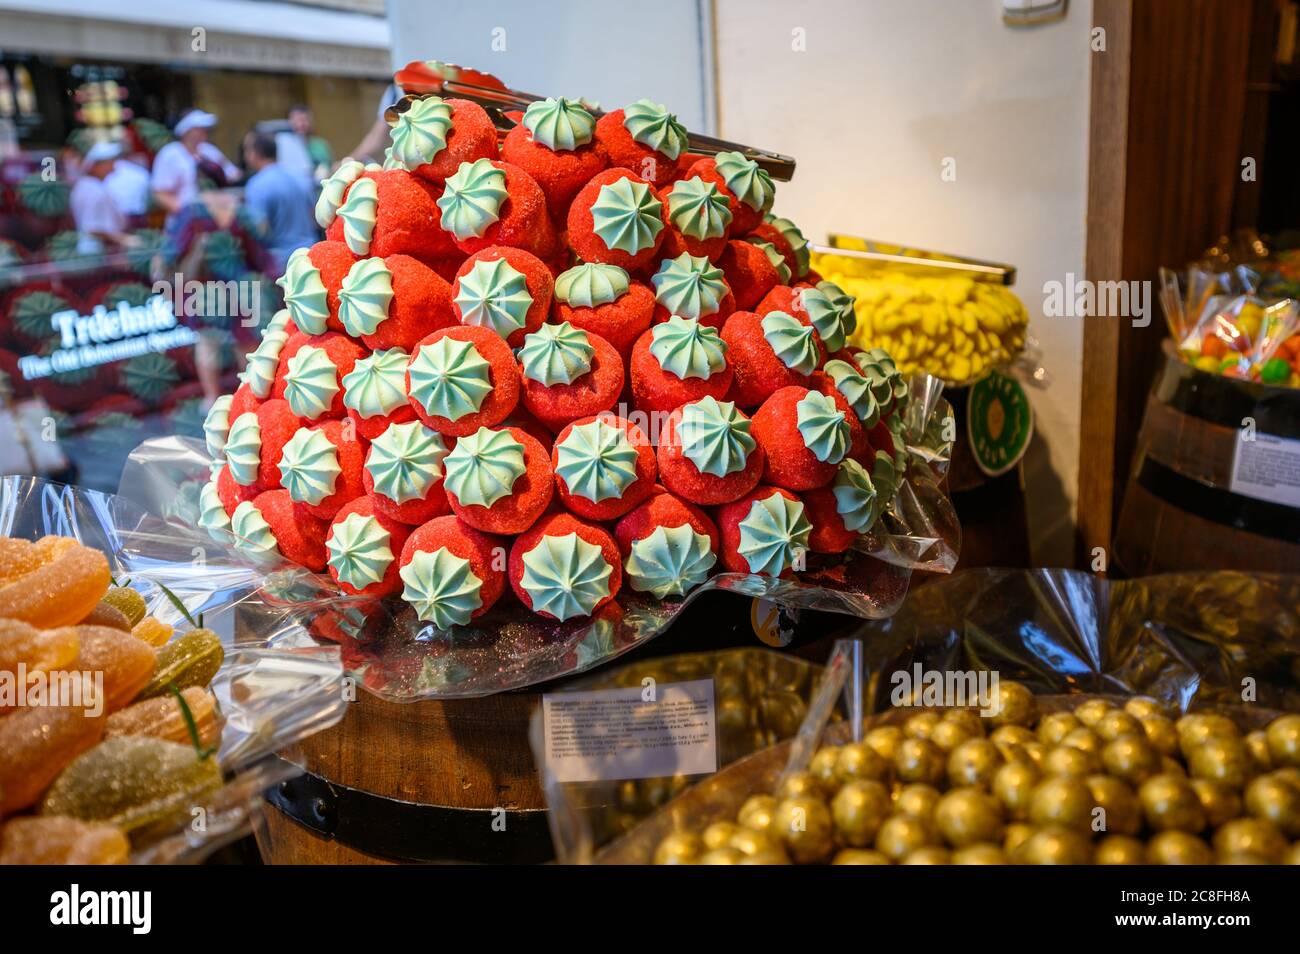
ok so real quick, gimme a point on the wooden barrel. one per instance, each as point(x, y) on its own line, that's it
point(1181, 510)
point(455, 781)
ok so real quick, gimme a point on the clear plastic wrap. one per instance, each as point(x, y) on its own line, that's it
point(1191, 640)
point(396, 656)
point(273, 688)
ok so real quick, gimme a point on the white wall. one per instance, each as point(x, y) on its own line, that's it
point(883, 93)
point(612, 52)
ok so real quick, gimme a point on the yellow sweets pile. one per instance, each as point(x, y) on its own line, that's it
point(949, 326)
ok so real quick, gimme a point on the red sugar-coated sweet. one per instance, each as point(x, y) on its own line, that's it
point(472, 136)
point(612, 507)
point(462, 540)
point(299, 533)
point(243, 401)
point(537, 277)
point(748, 272)
point(859, 444)
point(589, 246)
point(654, 389)
point(372, 427)
point(528, 499)
point(676, 242)
point(397, 536)
point(829, 535)
point(620, 322)
point(277, 424)
point(679, 474)
point(522, 220)
point(446, 266)
point(561, 174)
point(407, 218)
point(879, 438)
point(343, 353)
point(730, 516)
point(349, 485)
point(743, 219)
point(767, 232)
point(502, 372)
point(758, 371)
point(715, 320)
point(421, 303)
point(561, 524)
point(624, 151)
point(784, 298)
point(790, 463)
point(523, 419)
point(662, 509)
point(597, 390)
point(332, 260)
point(409, 512)
point(230, 493)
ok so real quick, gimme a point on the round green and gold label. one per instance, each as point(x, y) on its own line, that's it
point(999, 423)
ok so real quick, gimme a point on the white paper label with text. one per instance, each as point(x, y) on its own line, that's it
point(647, 731)
point(1268, 468)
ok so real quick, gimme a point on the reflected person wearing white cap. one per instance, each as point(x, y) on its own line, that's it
point(176, 167)
point(101, 225)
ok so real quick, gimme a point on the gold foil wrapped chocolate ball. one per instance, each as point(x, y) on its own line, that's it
point(1131, 758)
point(1055, 726)
point(1062, 801)
point(1178, 848)
point(858, 809)
point(1070, 761)
point(1120, 850)
point(1250, 836)
point(900, 835)
point(968, 816)
point(921, 725)
point(919, 760)
point(1222, 759)
point(679, 848)
point(1275, 799)
point(1013, 704)
point(981, 854)
point(804, 825)
point(857, 760)
point(1170, 803)
point(1283, 735)
point(1054, 845)
point(859, 856)
point(918, 800)
point(1122, 813)
point(973, 762)
point(885, 739)
point(1013, 785)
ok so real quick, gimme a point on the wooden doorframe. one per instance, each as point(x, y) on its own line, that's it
point(1167, 117)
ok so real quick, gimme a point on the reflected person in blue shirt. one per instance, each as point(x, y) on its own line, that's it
point(279, 203)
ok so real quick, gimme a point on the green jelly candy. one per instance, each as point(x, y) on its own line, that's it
point(1275, 371)
point(189, 660)
point(133, 781)
point(130, 602)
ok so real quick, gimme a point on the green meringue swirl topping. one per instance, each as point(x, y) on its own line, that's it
point(565, 576)
point(887, 475)
point(698, 209)
point(365, 296)
point(472, 199)
point(796, 240)
point(843, 301)
point(775, 257)
point(855, 496)
point(360, 550)
point(358, 214)
point(654, 127)
point(421, 132)
point(216, 425)
point(212, 513)
point(687, 349)
point(332, 189)
point(774, 535)
point(560, 125)
point(310, 382)
point(591, 285)
point(261, 364)
point(556, 354)
point(690, 286)
point(304, 293)
point(441, 587)
point(252, 532)
point(671, 561)
point(715, 436)
point(626, 216)
point(309, 466)
point(494, 295)
point(596, 461)
point(746, 180)
point(855, 389)
point(825, 317)
point(791, 340)
point(887, 383)
point(449, 378)
point(823, 427)
point(376, 385)
point(482, 468)
point(244, 449)
point(405, 461)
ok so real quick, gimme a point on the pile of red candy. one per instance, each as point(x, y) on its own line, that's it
point(582, 359)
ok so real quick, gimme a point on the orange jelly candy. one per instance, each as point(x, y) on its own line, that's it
point(36, 743)
point(59, 840)
point(126, 662)
point(38, 650)
point(152, 631)
point(66, 583)
point(162, 718)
